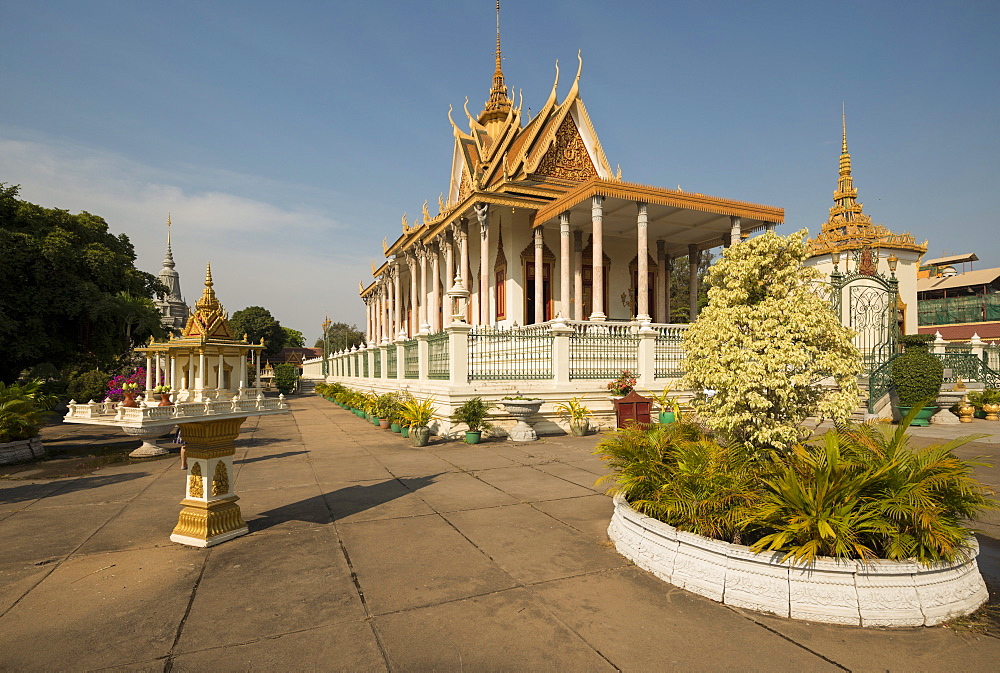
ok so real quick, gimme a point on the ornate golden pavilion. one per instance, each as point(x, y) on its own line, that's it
point(535, 198)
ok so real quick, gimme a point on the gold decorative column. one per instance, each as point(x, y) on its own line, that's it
point(210, 514)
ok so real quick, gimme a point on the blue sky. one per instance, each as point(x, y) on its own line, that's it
point(287, 139)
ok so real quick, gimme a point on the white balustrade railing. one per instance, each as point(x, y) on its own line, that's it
point(243, 402)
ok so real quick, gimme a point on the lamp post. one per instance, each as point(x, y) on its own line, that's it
point(326, 346)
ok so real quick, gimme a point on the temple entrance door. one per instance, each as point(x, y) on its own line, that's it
point(867, 304)
point(529, 293)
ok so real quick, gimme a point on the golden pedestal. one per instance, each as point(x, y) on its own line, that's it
point(210, 514)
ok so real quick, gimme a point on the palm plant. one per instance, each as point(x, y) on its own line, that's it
point(473, 413)
point(574, 409)
point(22, 410)
point(417, 413)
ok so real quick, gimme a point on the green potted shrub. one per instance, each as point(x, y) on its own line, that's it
point(474, 413)
point(416, 415)
point(384, 407)
point(670, 406)
point(917, 376)
point(577, 414)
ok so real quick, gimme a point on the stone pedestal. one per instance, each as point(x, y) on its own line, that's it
point(210, 514)
point(947, 399)
point(522, 410)
point(148, 448)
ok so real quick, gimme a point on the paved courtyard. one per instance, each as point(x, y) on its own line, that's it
point(368, 554)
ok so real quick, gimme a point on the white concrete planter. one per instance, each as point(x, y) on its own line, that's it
point(884, 593)
point(21, 450)
point(522, 410)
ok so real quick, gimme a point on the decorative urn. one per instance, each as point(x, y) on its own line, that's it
point(522, 410)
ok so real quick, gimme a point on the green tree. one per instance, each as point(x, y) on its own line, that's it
point(765, 342)
point(139, 318)
point(258, 323)
point(294, 338)
point(59, 276)
point(680, 298)
point(342, 335)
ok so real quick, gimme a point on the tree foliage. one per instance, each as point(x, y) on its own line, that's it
point(62, 279)
point(764, 343)
point(258, 323)
point(293, 338)
point(342, 335)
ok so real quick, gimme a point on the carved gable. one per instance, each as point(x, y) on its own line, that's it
point(568, 157)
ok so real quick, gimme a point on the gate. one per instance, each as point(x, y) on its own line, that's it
point(866, 302)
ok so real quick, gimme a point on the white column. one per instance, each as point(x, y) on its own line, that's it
point(482, 212)
point(642, 271)
point(149, 371)
point(423, 289)
point(189, 381)
point(414, 319)
point(735, 234)
point(219, 378)
point(597, 259)
point(693, 257)
point(662, 278)
point(539, 281)
point(578, 274)
point(173, 373)
point(435, 305)
point(449, 267)
point(564, 263)
point(463, 258)
point(157, 368)
point(201, 370)
point(243, 369)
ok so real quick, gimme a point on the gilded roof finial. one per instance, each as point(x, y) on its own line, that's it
point(208, 275)
point(498, 104)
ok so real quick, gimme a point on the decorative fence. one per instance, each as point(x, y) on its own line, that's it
point(510, 355)
point(364, 365)
point(970, 368)
point(437, 356)
point(411, 365)
point(377, 364)
point(603, 354)
point(390, 362)
point(669, 351)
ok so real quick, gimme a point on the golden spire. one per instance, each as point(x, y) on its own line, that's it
point(498, 104)
point(208, 301)
point(846, 209)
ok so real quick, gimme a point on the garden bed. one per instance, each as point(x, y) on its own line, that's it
point(883, 593)
point(21, 450)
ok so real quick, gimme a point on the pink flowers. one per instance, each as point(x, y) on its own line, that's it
point(623, 385)
point(138, 377)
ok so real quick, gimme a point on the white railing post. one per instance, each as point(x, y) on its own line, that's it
point(371, 352)
point(382, 356)
point(939, 344)
point(561, 333)
point(647, 356)
point(400, 355)
point(977, 345)
point(423, 355)
point(458, 352)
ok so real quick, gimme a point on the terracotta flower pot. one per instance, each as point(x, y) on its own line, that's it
point(129, 399)
point(165, 400)
point(383, 423)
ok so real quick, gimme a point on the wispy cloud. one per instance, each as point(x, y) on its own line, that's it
point(297, 261)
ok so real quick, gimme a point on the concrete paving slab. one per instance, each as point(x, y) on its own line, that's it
point(39, 534)
point(118, 486)
point(414, 463)
point(512, 452)
point(144, 522)
point(572, 474)
point(16, 579)
point(453, 491)
point(589, 514)
point(532, 546)
point(507, 631)
point(265, 585)
point(471, 457)
point(370, 501)
point(642, 624)
point(285, 508)
point(352, 468)
point(528, 484)
point(101, 610)
point(15, 495)
point(340, 647)
point(417, 561)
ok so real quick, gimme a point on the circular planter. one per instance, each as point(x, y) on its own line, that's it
point(667, 417)
point(404, 431)
point(165, 400)
point(420, 435)
point(522, 410)
point(148, 447)
point(578, 426)
point(473, 437)
point(383, 423)
point(395, 427)
point(923, 416)
point(991, 411)
point(836, 591)
point(376, 421)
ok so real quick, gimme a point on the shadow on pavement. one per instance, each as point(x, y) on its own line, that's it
point(273, 455)
point(37, 490)
point(342, 503)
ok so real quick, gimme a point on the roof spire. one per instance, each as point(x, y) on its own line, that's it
point(168, 259)
point(498, 104)
point(846, 208)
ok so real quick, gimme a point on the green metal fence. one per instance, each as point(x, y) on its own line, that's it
point(970, 368)
point(879, 382)
point(509, 355)
point(411, 367)
point(669, 352)
point(437, 356)
point(377, 364)
point(364, 364)
point(390, 362)
point(596, 355)
point(356, 369)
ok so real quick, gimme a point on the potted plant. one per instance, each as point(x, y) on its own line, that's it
point(986, 403)
point(416, 415)
point(578, 415)
point(164, 393)
point(130, 390)
point(522, 408)
point(670, 407)
point(623, 385)
point(473, 413)
point(917, 377)
point(384, 407)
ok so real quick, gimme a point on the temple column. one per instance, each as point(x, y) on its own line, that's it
point(693, 257)
point(735, 235)
point(661, 277)
point(220, 377)
point(423, 290)
point(172, 381)
point(483, 215)
point(597, 259)
point(668, 271)
point(564, 263)
point(149, 371)
point(201, 372)
point(539, 280)
point(449, 264)
point(577, 275)
point(243, 369)
point(412, 324)
point(435, 320)
point(463, 248)
point(642, 271)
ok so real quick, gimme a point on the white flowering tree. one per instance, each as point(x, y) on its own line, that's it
point(765, 342)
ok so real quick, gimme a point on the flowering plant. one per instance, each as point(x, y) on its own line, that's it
point(136, 381)
point(622, 385)
point(161, 389)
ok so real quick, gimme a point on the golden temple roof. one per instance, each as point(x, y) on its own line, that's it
point(848, 227)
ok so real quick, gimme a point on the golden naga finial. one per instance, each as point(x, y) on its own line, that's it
point(373, 267)
point(618, 173)
point(385, 246)
point(426, 213)
point(361, 287)
point(406, 225)
point(440, 203)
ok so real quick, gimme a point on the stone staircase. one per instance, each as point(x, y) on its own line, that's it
point(308, 386)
